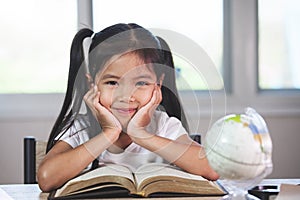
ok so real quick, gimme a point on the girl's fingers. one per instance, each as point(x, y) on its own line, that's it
point(96, 103)
point(156, 97)
point(153, 100)
point(91, 98)
point(96, 96)
point(93, 93)
point(90, 94)
point(87, 95)
point(159, 95)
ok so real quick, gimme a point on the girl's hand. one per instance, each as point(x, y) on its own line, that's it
point(106, 119)
point(143, 117)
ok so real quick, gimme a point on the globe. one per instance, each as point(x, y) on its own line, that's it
point(239, 148)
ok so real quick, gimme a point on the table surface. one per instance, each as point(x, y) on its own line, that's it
point(32, 191)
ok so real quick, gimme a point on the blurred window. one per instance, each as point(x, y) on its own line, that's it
point(35, 40)
point(279, 44)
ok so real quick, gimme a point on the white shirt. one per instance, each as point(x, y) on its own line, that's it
point(134, 155)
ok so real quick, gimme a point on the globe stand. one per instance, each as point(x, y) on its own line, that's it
point(236, 192)
point(240, 195)
point(238, 189)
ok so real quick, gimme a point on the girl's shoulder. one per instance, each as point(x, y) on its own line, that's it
point(80, 124)
point(77, 132)
point(162, 117)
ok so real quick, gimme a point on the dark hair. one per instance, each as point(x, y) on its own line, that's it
point(115, 40)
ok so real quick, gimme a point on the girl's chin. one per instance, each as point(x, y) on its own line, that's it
point(123, 119)
point(124, 123)
point(124, 128)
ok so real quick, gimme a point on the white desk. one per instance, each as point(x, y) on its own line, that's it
point(32, 191)
point(23, 191)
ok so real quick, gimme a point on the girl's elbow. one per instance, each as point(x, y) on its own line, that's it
point(44, 180)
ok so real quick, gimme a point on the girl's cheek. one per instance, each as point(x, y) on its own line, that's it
point(105, 99)
point(144, 96)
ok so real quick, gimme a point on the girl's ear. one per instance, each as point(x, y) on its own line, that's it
point(161, 79)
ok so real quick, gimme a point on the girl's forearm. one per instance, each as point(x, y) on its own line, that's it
point(60, 165)
point(188, 156)
point(57, 169)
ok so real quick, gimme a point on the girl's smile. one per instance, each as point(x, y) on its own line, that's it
point(125, 111)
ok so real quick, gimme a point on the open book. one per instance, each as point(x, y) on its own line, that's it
point(152, 179)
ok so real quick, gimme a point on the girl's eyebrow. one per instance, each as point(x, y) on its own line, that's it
point(143, 76)
point(112, 76)
point(107, 76)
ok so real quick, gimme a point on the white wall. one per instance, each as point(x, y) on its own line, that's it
point(284, 132)
point(11, 145)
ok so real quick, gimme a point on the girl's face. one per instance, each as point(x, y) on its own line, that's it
point(126, 84)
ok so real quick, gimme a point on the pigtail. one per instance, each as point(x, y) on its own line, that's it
point(170, 98)
point(74, 93)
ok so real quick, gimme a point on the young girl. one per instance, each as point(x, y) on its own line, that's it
point(121, 106)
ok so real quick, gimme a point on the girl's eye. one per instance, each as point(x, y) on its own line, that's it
point(112, 83)
point(141, 83)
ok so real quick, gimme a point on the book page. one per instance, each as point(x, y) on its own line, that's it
point(108, 169)
point(104, 170)
point(160, 169)
point(155, 178)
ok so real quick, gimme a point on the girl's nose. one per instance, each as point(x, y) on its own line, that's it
point(127, 99)
point(125, 94)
